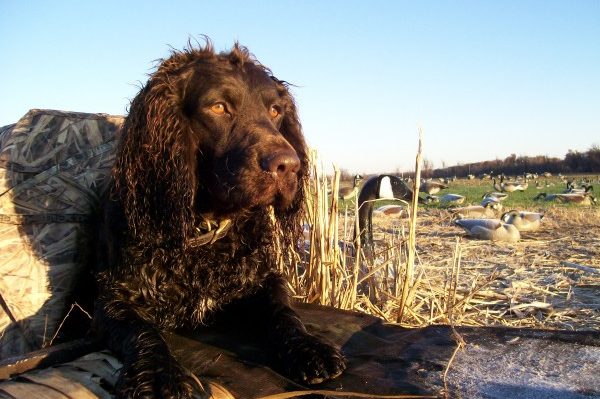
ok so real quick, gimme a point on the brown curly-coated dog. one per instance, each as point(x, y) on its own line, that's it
point(211, 142)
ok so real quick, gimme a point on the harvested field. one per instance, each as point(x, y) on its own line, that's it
point(549, 279)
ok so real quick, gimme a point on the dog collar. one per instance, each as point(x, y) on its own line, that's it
point(210, 231)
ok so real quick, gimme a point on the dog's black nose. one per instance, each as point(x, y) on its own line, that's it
point(282, 163)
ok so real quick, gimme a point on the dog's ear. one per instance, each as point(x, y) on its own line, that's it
point(155, 169)
point(291, 218)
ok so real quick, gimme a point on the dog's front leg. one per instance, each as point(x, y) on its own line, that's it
point(301, 356)
point(149, 369)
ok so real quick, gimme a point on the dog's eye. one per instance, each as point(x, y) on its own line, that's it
point(218, 108)
point(274, 111)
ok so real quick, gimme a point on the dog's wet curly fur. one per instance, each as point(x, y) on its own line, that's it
point(211, 138)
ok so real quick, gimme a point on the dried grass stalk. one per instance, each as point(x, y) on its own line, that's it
point(410, 260)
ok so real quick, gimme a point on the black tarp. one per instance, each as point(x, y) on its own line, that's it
point(385, 359)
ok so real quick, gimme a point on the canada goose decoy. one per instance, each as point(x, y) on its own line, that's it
point(576, 198)
point(539, 185)
point(512, 186)
point(347, 193)
point(545, 197)
point(582, 189)
point(498, 196)
point(474, 211)
point(452, 199)
point(391, 210)
point(445, 199)
point(497, 186)
point(432, 187)
point(378, 187)
point(489, 229)
point(523, 220)
point(492, 203)
point(431, 199)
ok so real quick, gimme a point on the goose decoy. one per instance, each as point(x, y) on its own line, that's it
point(498, 186)
point(432, 187)
point(498, 196)
point(582, 189)
point(539, 185)
point(474, 211)
point(523, 220)
point(452, 198)
point(512, 186)
point(577, 198)
point(378, 187)
point(347, 193)
point(431, 199)
point(545, 197)
point(391, 210)
point(489, 229)
point(492, 202)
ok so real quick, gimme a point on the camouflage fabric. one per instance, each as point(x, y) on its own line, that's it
point(53, 167)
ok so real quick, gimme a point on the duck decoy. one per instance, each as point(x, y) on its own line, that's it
point(489, 229)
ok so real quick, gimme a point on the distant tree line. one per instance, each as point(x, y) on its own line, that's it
point(574, 162)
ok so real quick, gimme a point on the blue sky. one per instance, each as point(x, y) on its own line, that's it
point(484, 79)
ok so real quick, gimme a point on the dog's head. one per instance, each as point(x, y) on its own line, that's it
point(210, 134)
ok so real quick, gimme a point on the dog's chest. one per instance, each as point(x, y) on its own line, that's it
point(203, 282)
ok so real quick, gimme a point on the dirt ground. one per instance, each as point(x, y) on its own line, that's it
point(549, 279)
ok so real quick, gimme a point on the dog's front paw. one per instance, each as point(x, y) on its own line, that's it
point(307, 359)
point(149, 380)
